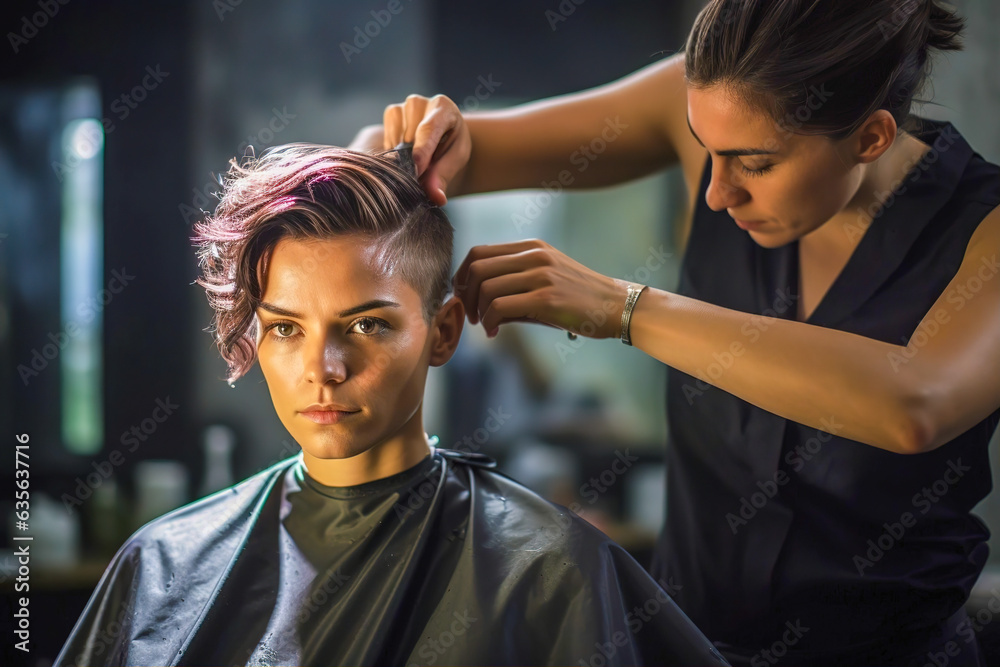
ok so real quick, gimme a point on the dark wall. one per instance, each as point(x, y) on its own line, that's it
point(125, 45)
point(549, 47)
point(146, 325)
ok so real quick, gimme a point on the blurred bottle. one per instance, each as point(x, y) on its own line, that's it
point(104, 519)
point(160, 486)
point(644, 497)
point(56, 534)
point(218, 443)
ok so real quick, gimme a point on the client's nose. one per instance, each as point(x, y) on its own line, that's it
point(327, 364)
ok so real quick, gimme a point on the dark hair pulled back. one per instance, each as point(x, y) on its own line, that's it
point(821, 66)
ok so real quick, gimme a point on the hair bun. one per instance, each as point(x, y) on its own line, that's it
point(944, 28)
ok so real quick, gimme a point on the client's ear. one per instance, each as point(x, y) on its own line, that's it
point(446, 330)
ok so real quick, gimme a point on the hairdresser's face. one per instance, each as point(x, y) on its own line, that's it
point(787, 187)
point(357, 341)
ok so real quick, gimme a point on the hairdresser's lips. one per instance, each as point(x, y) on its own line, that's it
point(328, 416)
point(749, 225)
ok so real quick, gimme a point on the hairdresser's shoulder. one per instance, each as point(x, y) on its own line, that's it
point(660, 91)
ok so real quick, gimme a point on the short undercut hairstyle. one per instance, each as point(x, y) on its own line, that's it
point(313, 192)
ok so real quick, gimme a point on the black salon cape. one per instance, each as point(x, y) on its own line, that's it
point(445, 563)
point(758, 555)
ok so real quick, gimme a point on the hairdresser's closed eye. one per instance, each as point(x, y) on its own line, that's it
point(756, 170)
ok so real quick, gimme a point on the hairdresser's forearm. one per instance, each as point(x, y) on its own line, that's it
point(560, 143)
point(526, 147)
point(368, 138)
point(825, 378)
point(603, 136)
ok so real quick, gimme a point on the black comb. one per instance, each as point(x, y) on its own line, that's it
point(404, 155)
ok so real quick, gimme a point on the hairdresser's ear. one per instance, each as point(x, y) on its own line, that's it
point(446, 329)
point(874, 137)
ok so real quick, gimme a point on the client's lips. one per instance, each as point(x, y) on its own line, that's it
point(327, 414)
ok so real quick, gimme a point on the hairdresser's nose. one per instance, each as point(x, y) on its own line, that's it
point(725, 189)
point(326, 363)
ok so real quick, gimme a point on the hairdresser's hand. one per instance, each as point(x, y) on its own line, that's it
point(441, 140)
point(530, 281)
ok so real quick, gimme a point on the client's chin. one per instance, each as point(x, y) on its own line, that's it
point(333, 447)
point(340, 443)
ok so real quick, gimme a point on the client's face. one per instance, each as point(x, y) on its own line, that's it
point(338, 332)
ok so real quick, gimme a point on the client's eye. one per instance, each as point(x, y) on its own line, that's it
point(369, 326)
point(282, 330)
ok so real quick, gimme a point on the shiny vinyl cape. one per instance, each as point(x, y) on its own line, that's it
point(468, 568)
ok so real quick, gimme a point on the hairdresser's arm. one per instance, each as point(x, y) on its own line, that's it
point(906, 399)
point(603, 136)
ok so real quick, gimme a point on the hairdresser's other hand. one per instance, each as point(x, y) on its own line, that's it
point(530, 281)
point(441, 140)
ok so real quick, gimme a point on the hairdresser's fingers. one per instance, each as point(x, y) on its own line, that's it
point(584, 303)
point(401, 120)
point(493, 267)
point(441, 147)
point(448, 164)
point(392, 124)
point(441, 140)
point(512, 308)
point(478, 254)
point(507, 284)
point(414, 110)
point(556, 289)
point(435, 187)
point(439, 116)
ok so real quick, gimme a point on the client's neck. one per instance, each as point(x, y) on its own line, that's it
point(400, 452)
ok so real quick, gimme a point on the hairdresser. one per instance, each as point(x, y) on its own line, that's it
point(833, 346)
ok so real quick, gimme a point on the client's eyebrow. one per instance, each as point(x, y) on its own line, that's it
point(360, 308)
point(731, 152)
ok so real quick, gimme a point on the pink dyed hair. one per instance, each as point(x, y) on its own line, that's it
point(309, 191)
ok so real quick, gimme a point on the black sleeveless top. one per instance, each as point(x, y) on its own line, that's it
point(773, 526)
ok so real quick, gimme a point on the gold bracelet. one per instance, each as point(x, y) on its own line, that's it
point(633, 296)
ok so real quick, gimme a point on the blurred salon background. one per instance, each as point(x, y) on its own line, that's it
point(116, 119)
